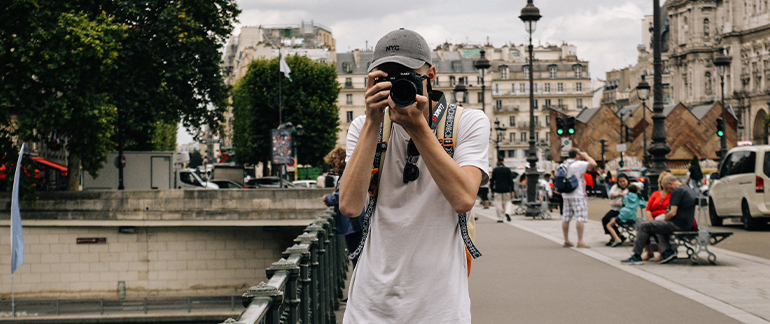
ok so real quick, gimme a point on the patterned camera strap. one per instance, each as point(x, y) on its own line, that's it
point(384, 136)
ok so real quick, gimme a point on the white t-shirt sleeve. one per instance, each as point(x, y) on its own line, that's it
point(352, 139)
point(472, 147)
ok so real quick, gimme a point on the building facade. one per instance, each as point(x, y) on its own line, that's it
point(561, 81)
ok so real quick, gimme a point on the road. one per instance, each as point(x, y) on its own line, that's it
point(754, 243)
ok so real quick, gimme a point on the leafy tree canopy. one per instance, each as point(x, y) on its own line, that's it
point(309, 99)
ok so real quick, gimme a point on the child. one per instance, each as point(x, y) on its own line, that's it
point(631, 202)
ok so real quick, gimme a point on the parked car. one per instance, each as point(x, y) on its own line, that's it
point(638, 177)
point(227, 184)
point(268, 182)
point(305, 184)
point(738, 189)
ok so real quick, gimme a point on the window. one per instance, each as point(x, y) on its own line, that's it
point(523, 136)
point(366, 80)
point(552, 71)
point(535, 104)
point(523, 87)
point(579, 104)
point(348, 82)
point(512, 121)
point(504, 72)
point(547, 120)
point(766, 167)
point(497, 88)
point(478, 80)
point(452, 81)
point(547, 87)
point(349, 99)
point(578, 71)
point(707, 76)
point(463, 80)
point(547, 136)
point(481, 96)
point(561, 102)
point(536, 121)
point(512, 153)
point(548, 102)
point(347, 68)
point(513, 88)
point(435, 82)
point(706, 27)
point(511, 137)
point(349, 115)
point(738, 163)
point(537, 137)
point(498, 104)
point(579, 87)
point(560, 87)
point(526, 71)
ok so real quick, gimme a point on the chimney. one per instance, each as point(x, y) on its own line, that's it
point(357, 57)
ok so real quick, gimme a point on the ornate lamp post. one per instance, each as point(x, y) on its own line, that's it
point(482, 64)
point(643, 92)
point(530, 15)
point(500, 135)
point(659, 148)
point(722, 62)
point(461, 93)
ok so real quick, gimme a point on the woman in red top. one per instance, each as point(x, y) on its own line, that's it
point(657, 205)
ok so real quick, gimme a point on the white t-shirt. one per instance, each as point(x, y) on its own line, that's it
point(413, 268)
point(544, 187)
point(578, 169)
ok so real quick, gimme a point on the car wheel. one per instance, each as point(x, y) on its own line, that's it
point(715, 220)
point(749, 223)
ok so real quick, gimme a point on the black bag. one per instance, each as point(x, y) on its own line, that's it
point(329, 181)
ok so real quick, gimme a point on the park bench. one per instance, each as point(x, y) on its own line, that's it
point(699, 241)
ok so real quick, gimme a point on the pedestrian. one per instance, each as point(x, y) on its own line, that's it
point(680, 217)
point(412, 267)
point(618, 191)
point(657, 206)
point(501, 183)
point(608, 183)
point(631, 202)
point(349, 228)
point(319, 182)
point(329, 180)
point(576, 202)
point(484, 196)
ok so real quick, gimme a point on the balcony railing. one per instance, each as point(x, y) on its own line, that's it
point(306, 284)
point(506, 108)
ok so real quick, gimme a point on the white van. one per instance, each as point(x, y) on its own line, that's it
point(738, 188)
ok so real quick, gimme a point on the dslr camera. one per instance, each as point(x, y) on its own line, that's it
point(404, 87)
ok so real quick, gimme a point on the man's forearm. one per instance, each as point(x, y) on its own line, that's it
point(455, 184)
point(355, 182)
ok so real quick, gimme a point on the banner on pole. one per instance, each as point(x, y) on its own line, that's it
point(281, 146)
point(17, 236)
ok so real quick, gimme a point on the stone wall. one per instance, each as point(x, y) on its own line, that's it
point(153, 261)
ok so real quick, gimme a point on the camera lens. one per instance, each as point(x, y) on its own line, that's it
point(403, 92)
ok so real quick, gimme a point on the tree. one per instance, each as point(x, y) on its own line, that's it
point(164, 138)
point(309, 99)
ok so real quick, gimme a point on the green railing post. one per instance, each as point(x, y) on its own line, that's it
point(299, 303)
point(264, 290)
point(291, 266)
point(319, 276)
point(313, 300)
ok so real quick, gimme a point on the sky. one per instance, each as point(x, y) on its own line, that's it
point(606, 32)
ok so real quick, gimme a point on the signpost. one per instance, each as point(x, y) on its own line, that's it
point(621, 147)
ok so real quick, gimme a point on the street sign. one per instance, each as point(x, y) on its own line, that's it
point(122, 162)
point(621, 147)
point(281, 146)
point(566, 145)
point(291, 163)
point(211, 141)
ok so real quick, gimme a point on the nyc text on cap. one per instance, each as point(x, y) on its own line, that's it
point(401, 46)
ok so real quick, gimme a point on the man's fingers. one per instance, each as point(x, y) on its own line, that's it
point(372, 75)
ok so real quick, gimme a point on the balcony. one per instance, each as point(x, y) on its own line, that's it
point(506, 109)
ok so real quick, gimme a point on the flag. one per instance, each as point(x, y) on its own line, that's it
point(17, 237)
point(284, 67)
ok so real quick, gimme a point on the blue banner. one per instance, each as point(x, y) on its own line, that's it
point(17, 236)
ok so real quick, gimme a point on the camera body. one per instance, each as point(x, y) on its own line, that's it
point(404, 87)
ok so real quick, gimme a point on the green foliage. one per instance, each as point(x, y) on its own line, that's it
point(164, 138)
point(68, 67)
point(309, 99)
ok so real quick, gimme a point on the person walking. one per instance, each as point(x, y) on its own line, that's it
point(576, 202)
point(501, 184)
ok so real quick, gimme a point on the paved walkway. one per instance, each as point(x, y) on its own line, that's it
point(525, 276)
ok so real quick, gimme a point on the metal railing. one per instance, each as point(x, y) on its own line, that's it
point(306, 284)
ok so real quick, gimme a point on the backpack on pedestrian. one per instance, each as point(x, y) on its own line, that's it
point(565, 182)
point(449, 122)
point(329, 181)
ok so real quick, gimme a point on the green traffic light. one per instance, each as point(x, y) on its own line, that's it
point(560, 131)
point(571, 131)
point(720, 133)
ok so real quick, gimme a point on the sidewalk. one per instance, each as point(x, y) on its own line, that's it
point(525, 276)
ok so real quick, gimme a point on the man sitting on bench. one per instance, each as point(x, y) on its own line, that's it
point(679, 218)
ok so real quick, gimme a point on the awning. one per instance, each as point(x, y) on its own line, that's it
point(61, 168)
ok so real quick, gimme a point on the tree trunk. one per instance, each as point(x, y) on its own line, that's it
point(73, 172)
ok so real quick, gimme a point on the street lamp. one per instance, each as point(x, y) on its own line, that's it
point(659, 148)
point(722, 62)
point(461, 92)
point(482, 64)
point(643, 91)
point(500, 135)
point(530, 15)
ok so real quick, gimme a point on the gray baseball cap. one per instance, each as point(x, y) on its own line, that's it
point(401, 46)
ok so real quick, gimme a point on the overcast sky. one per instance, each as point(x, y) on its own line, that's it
point(606, 32)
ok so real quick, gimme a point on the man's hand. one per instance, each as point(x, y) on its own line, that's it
point(410, 117)
point(377, 97)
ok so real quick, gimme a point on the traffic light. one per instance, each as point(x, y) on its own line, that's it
point(621, 164)
point(559, 126)
point(571, 125)
point(720, 127)
point(604, 146)
point(628, 134)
